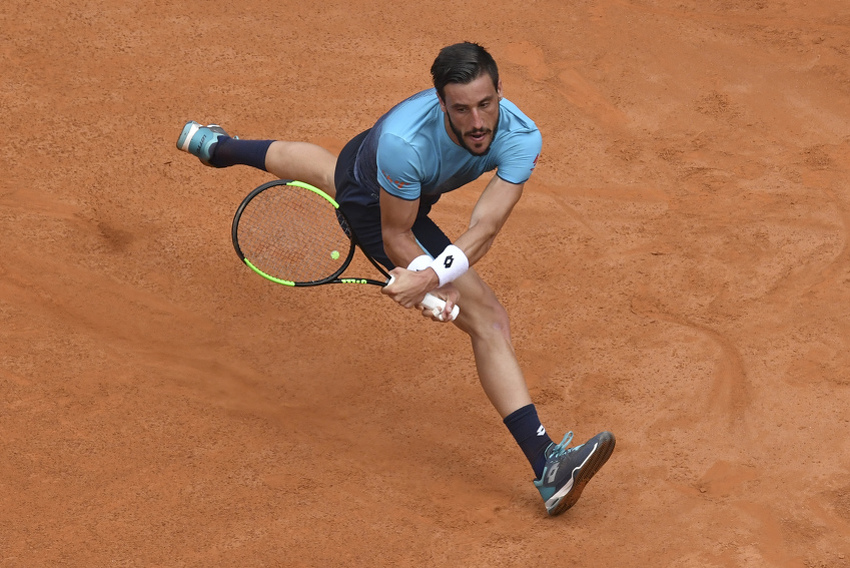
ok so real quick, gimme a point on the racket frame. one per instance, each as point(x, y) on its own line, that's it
point(332, 278)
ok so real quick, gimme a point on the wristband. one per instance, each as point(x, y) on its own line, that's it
point(421, 262)
point(450, 265)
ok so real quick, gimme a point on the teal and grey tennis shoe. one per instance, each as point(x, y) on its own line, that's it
point(200, 140)
point(568, 470)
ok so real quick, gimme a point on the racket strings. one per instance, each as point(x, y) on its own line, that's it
point(292, 233)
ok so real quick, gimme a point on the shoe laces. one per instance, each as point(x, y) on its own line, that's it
point(559, 450)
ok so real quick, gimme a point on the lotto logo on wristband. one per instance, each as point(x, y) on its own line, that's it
point(445, 266)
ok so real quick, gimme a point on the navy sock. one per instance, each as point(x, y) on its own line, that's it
point(233, 151)
point(531, 436)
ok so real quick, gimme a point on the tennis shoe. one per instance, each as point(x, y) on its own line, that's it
point(200, 140)
point(568, 470)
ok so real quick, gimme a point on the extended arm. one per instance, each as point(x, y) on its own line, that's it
point(489, 215)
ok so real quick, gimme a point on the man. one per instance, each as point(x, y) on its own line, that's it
point(387, 179)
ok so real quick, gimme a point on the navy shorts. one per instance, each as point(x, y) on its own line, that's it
point(365, 220)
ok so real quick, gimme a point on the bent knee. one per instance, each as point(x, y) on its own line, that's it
point(485, 316)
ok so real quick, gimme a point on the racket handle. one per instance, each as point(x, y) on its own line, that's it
point(434, 304)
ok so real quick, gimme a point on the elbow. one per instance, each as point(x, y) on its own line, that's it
point(394, 247)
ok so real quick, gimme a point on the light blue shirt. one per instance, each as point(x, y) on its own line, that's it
point(409, 153)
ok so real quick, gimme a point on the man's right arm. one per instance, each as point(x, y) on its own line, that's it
point(397, 218)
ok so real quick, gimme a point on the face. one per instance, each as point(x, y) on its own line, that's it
point(472, 113)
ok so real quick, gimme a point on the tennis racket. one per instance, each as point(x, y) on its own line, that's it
point(295, 234)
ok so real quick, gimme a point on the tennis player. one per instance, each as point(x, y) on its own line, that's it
point(387, 179)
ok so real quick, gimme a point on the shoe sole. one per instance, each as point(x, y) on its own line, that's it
point(593, 464)
point(186, 135)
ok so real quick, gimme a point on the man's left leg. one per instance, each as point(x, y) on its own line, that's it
point(561, 472)
point(284, 159)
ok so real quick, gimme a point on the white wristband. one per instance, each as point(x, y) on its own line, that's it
point(450, 265)
point(421, 262)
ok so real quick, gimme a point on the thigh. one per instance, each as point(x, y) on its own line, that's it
point(364, 226)
point(431, 238)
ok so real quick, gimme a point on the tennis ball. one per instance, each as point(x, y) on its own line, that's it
point(335, 254)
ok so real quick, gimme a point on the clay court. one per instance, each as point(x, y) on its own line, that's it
point(677, 272)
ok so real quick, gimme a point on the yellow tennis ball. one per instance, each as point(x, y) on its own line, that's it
point(335, 254)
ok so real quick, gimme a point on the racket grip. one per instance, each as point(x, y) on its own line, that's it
point(436, 306)
point(434, 303)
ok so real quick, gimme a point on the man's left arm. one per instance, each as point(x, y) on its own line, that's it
point(489, 215)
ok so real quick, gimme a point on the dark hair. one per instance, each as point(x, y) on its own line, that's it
point(462, 63)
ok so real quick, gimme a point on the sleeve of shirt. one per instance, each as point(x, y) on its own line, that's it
point(520, 156)
point(399, 167)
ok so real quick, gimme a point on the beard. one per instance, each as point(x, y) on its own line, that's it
point(462, 140)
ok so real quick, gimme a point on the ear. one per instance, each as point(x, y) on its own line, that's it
point(499, 89)
point(442, 102)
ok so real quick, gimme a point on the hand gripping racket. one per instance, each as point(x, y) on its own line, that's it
point(292, 233)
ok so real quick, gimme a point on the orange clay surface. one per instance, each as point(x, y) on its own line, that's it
point(677, 272)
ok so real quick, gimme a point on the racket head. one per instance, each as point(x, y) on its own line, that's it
point(290, 232)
